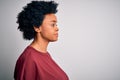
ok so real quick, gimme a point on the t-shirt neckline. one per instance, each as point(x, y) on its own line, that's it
point(43, 53)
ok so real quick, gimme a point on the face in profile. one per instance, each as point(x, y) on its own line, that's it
point(49, 29)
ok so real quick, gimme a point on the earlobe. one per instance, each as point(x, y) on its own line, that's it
point(37, 29)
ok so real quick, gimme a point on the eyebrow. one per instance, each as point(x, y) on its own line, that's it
point(53, 21)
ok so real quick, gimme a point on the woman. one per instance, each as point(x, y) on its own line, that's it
point(37, 21)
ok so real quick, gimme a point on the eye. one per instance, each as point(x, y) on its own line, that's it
point(53, 25)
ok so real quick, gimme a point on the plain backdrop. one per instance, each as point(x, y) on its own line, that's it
point(89, 38)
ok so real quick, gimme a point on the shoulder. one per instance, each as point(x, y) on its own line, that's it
point(25, 64)
point(27, 55)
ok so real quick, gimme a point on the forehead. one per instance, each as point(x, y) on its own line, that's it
point(50, 18)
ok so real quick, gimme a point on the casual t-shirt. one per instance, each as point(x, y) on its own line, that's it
point(35, 65)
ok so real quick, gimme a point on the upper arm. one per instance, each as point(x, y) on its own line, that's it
point(26, 69)
point(30, 70)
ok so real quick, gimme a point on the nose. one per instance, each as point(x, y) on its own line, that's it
point(57, 29)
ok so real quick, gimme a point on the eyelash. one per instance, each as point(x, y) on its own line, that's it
point(54, 25)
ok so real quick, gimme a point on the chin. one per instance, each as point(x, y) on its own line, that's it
point(53, 40)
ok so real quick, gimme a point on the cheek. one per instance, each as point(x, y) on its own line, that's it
point(48, 30)
point(47, 33)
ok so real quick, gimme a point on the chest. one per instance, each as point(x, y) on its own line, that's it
point(47, 69)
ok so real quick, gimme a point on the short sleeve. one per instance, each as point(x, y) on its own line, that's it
point(25, 69)
point(29, 70)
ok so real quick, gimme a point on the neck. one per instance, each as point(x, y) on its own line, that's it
point(40, 44)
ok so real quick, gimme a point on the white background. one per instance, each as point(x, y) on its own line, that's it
point(89, 38)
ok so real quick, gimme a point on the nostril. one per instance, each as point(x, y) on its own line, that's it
point(57, 29)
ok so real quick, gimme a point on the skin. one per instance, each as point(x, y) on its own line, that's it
point(47, 32)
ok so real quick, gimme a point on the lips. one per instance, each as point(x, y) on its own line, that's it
point(56, 34)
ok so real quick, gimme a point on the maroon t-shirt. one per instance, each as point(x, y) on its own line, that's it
point(35, 65)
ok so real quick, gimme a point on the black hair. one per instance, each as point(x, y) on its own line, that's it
point(32, 16)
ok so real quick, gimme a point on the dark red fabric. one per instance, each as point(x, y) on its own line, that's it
point(35, 65)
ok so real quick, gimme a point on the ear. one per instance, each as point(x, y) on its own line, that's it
point(37, 29)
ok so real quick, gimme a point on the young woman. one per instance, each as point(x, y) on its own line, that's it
point(37, 21)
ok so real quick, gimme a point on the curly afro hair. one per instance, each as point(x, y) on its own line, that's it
point(32, 16)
